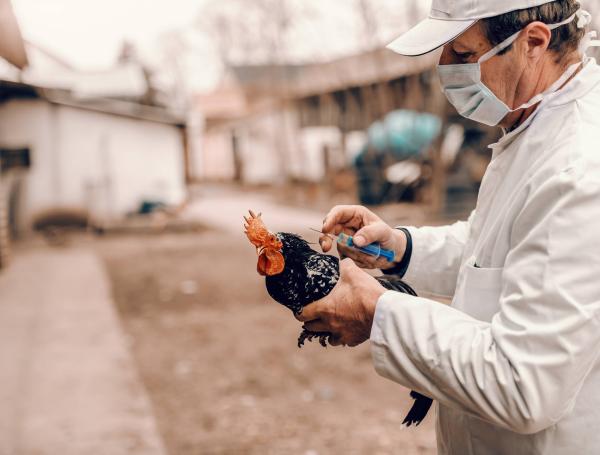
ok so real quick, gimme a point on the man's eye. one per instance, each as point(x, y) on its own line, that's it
point(464, 55)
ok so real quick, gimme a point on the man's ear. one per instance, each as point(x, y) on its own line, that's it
point(536, 38)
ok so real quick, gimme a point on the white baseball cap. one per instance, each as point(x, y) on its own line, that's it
point(450, 18)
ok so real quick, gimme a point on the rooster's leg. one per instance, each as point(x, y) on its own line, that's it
point(323, 340)
point(302, 338)
point(306, 335)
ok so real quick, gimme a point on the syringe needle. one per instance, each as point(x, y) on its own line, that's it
point(320, 232)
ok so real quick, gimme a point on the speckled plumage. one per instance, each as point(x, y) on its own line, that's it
point(308, 276)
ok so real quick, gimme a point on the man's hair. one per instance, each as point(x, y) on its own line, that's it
point(565, 39)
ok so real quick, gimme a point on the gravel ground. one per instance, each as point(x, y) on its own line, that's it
point(220, 362)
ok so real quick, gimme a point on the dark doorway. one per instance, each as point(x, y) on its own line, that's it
point(14, 159)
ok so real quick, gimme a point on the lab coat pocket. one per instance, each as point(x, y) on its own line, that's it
point(480, 293)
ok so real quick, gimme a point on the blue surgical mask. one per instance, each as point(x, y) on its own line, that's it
point(472, 99)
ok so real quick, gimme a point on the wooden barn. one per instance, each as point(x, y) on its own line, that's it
point(265, 124)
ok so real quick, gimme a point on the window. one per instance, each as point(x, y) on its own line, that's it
point(14, 159)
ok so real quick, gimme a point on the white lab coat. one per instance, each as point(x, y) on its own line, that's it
point(514, 361)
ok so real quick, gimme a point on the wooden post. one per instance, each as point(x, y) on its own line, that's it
point(366, 98)
point(436, 103)
point(438, 181)
point(187, 159)
point(4, 223)
point(384, 98)
point(353, 114)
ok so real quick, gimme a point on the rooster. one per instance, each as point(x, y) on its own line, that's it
point(296, 276)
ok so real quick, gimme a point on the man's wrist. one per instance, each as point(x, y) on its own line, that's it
point(400, 268)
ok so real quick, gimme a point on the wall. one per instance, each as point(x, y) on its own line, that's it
point(313, 142)
point(268, 145)
point(27, 123)
point(87, 159)
point(265, 146)
point(4, 224)
point(214, 159)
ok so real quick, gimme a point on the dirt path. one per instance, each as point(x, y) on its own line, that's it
point(224, 211)
point(67, 381)
point(220, 361)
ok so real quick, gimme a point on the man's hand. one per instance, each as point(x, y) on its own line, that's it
point(367, 228)
point(349, 310)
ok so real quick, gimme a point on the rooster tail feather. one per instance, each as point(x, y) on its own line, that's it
point(419, 410)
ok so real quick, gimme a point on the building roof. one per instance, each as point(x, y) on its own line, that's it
point(359, 70)
point(353, 71)
point(222, 104)
point(261, 75)
point(19, 90)
point(117, 107)
point(12, 47)
point(124, 80)
point(251, 87)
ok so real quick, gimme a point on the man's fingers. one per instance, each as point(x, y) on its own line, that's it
point(338, 215)
point(373, 233)
point(310, 312)
point(364, 261)
point(353, 216)
point(326, 243)
point(316, 326)
point(335, 340)
point(364, 265)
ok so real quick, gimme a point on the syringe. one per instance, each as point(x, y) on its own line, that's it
point(374, 249)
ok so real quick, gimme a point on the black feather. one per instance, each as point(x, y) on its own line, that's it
point(419, 410)
point(308, 276)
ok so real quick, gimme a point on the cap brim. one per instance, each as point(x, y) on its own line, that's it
point(429, 35)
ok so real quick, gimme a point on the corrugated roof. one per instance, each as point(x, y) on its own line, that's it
point(12, 90)
point(353, 71)
point(117, 107)
point(360, 70)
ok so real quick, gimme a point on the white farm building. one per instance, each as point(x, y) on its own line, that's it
point(103, 157)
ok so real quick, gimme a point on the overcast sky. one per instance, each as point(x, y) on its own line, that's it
point(89, 33)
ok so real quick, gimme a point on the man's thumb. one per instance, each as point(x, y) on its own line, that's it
point(371, 234)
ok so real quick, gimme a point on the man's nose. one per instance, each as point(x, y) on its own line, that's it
point(447, 57)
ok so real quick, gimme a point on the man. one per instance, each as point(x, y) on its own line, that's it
point(514, 361)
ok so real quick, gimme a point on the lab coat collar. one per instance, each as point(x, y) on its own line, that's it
point(586, 80)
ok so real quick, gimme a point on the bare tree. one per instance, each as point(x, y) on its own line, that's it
point(257, 33)
point(370, 21)
point(250, 32)
point(376, 16)
point(175, 50)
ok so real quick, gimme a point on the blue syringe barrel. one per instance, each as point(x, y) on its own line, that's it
point(374, 249)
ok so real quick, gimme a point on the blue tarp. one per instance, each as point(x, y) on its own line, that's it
point(405, 134)
point(401, 135)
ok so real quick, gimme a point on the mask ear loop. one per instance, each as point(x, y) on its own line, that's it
point(589, 40)
point(499, 48)
point(580, 14)
point(584, 18)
